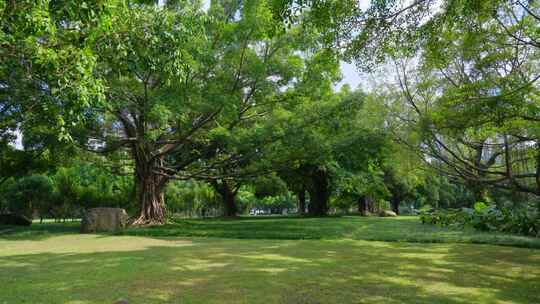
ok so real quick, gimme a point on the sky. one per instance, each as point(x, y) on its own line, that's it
point(350, 75)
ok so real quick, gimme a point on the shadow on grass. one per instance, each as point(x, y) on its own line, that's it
point(257, 271)
point(38, 231)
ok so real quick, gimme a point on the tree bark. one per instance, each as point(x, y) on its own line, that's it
point(479, 190)
point(150, 194)
point(319, 193)
point(302, 201)
point(363, 205)
point(151, 202)
point(228, 196)
point(395, 201)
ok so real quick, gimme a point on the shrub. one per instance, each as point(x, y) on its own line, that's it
point(82, 186)
point(486, 218)
point(29, 195)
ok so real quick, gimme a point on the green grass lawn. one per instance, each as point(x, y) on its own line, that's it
point(401, 229)
point(268, 260)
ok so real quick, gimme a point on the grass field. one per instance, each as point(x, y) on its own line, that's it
point(401, 229)
point(268, 260)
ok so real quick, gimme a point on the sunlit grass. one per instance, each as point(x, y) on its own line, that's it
point(401, 229)
point(330, 260)
point(101, 269)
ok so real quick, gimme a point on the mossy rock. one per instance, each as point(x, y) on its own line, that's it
point(103, 220)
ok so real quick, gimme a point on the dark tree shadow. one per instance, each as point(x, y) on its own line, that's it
point(38, 231)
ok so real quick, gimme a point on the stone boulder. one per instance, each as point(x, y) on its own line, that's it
point(104, 220)
point(387, 213)
point(14, 219)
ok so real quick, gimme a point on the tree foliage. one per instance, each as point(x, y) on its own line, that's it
point(217, 111)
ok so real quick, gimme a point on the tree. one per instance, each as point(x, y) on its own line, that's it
point(467, 71)
point(46, 79)
point(397, 187)
point(39, 151)
point(327, 146)
point(191, 198)
point(46, 69)
point(179, 80)
point(227, 190)
point(29, 195)
point(295, 182)
point(474, 99)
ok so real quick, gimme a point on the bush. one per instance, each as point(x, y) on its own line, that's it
point(82, 186)
point(486, 218)
point(29, 195)
point(276, 204)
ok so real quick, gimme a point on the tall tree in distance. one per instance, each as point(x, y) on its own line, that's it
point(475, 98)
point(470, 78)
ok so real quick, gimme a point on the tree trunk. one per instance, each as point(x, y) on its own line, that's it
point(150, 194)
point(363, 205)
point(370, 204)
point(395, 201)
point(302, 202)
point(319, 193)
point(228, 197)
point(479, 190)
point(230, 205)
point(480, 194)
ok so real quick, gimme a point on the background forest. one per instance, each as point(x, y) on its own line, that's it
point(228, 108)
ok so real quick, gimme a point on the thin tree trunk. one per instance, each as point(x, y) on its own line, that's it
point(302, 202)
point(395, 201)
point(370, 205)
point(479, 190)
